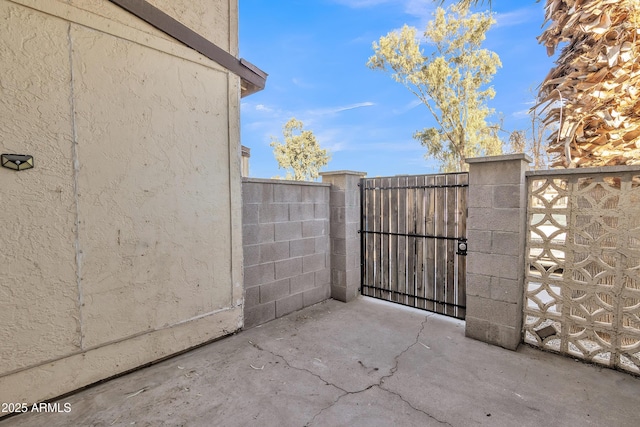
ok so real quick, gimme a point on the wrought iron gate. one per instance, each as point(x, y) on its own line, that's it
point(413, 241)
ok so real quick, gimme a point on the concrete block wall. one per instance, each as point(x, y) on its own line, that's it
point(286, 247)
point(495, 260)
point(345, 240)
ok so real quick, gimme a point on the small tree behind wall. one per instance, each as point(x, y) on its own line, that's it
point(300, 154)
point(532, 141)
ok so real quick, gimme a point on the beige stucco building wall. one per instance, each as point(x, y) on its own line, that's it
point(123, 244)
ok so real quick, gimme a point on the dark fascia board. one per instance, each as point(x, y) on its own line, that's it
point(253, 78)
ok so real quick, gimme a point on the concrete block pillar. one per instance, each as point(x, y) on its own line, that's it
point(495, 261)
point(344, 237)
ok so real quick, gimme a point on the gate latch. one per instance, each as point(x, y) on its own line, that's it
point(462, 247)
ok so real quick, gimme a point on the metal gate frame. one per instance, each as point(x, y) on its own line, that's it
point(413, 241)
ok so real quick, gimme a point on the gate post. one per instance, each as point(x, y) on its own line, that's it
point(344, 237)
point(496, 259)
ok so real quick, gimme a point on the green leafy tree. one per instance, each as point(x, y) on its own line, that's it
point(300, 153)
point(451, 81)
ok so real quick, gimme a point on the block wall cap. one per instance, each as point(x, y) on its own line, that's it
point(501, 158)
point(585, 171)
point(285, 182)
point(361, 174)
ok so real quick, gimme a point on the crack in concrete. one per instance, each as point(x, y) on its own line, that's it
point(297, 368)
point(395, 368)
point(379, 384)
point(325, 408)
point(413, 407)
point(395, 359)
point(344, 392)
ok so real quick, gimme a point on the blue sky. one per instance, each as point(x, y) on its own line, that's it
point(315, 52)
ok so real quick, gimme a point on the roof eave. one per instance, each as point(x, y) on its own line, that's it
point(253, 79)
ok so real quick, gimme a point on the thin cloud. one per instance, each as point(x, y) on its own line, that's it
point(410, 106)
point(524, 113)
point(334, 139)
point(395, 146)
point(420, 8)
point(517, 17)
point(364, 39)
point(416, 8)
point(262, 107)
point(359, 4)
point(301, 83)
point(334, 110)
point(354, 106)
point(520, 114)
point(336, 147)
point(359, 145)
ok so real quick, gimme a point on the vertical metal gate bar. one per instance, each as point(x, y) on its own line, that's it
point(415, 242)
point(363, 236)
point(375, 261)
point(440, 278)
point(462, 231)
point(450, 294)
point(394, 241)
point(430, 265)
point(419, 263)
point(384, 201)
point(412, 240)
point(402, 240)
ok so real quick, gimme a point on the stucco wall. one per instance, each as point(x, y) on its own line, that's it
point(123, 244)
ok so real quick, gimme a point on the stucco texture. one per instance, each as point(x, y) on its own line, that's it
point(38, 291)
point(215, 20)
point(123, 244)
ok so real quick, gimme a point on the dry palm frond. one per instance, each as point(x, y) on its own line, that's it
point(594, 89)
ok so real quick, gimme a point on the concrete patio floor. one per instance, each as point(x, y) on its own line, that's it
point(365, 363)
